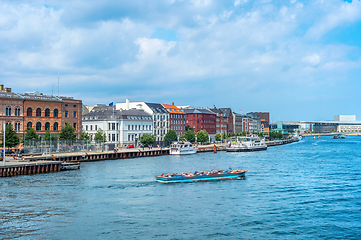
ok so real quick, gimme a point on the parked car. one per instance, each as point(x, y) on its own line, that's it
point(9, 152)
point(130, 146)
point(23, 151)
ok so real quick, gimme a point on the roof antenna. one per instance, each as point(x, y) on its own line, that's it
point(58, 84)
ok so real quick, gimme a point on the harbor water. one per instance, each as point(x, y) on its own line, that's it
point(305, 190)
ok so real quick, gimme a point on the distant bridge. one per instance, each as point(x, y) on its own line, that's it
point(329, 134)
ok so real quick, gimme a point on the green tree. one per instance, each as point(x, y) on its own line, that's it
point(202, 136)
point(188, 127)
point(84, 136)
point(100, 136)
point(182, 137)
point(224, 135)
point(218, 137)
point(171, 136)
point(190, 136)
point(147, 139)
point(48, 136)
point(11, 137)
point(31, 135)
point(67, 132)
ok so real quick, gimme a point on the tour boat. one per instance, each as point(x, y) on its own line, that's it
point(182, 147)
point(246, 144)
point(201, 176)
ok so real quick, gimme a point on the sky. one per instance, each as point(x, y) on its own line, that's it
point(298, 60)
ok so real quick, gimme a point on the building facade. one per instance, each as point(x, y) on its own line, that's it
point(12, 111)
point(159, 114)
point(72, 113)
point(201, 119)
point(121, 127)
point(176, 118)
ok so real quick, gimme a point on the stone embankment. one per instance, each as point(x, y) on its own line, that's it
point(53, 163)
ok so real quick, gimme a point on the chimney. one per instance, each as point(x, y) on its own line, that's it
point(41, 94)
point(7, 89)
point(127, 104)
point(1, 87)
point(172, 103)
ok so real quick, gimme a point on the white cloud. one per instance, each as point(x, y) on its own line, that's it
point(313, 60)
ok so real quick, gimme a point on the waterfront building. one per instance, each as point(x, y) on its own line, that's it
point(264, 127)
point(201, 119)
point(243, 123)
point(38, 111)
point(121, 127)
point(11, 111)
point(159, 113)
point(176, 118)
point(42, 112)
point(262, 115)
point(224, 120)
point(341, 123)
point(72, 113)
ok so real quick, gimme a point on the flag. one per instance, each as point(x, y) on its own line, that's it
point(111, 104)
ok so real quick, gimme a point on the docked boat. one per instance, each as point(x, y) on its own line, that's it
point(182, 147)
point(246, 144)
point(201, 176)
point(70, 166)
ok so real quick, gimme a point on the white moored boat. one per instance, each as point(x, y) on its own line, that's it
point(182, 147)
point(246, 144)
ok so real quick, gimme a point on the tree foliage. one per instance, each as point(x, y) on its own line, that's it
point(182, 137)
point(190, 136)
point(218, 137)
point(188, 127)
point(49, 136)
point(277, 135)
point(84, 136)
point(100, 136)
point(147, 139)
point(202, 136)
point(31, 135)
point(67, 132)
point(171, 136)
point(11, 137)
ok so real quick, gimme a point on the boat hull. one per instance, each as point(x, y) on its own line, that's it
point(185, 152)
point(246, 149)
point(201, 178)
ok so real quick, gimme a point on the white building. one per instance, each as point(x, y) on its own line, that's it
point(160, 116)
point(122, 127)
point(345, 118)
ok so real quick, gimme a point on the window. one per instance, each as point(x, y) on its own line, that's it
point(29, 125)
point(56, 127)
point(113, 137)
point(128, 127)
point(109, 137)
point(74, 105)
point(47, 126)
point(86, 128)
point(56, 112)
point(17, 111)
point(66, 113)
point(38, 112)
point(29, 112)
point(96, 127)
point(8, 111)
point(47, 112)
point(113, 126)
point(74, 114)
point(17, 126)
point(74, 125)
point(66, 105)
point(38, 126)
point(91, 127)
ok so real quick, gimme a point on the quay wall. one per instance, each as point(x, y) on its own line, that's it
point(10, 170)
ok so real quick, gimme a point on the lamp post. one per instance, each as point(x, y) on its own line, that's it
point(4, 146)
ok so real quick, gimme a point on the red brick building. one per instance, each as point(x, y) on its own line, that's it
point(201, 119)
point(224, 120)
point(42, 112)
point(11, 111)
point(72, 113)
point(176, 118)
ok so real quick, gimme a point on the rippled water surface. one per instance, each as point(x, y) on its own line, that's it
point(305, 190)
